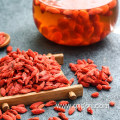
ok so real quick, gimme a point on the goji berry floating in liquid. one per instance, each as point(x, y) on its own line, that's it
point(75, 23)
point(23, 72)
point(88, 74)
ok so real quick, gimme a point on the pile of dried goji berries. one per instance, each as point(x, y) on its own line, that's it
point(23, 72)
point(2, 38)
point(88, 74)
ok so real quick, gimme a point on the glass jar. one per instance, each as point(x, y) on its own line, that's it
point(75, 22)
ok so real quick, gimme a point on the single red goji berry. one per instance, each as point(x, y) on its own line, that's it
point(71, 81)
point(37, 111)
point(24, 91)
point(63, 103)
point(18, 116)
point(106, 87)
point(41, 106)
point(63, 116)
point(50, 103)
point(71, 110)
point(13, 111)
point(59, 109)
point(111, 103)
point(99, 87)
point(3, 92)
point(95, 94)
point(9, 49)
point(35, 105)
point(89, 110)
point(36, 2)
point(110, 79)
point(79, 108)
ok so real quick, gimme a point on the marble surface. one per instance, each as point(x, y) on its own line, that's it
point(16, 19)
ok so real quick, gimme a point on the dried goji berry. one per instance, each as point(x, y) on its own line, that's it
point(18, 116)
point(63, 116)
point(112, 4)
point(13, 111)
point(3, 92)
point(110, 79)
point(0, 114)
point(59, 109)
point(79, 108)
point(9, 49)
point(19, 109)
point(36, 105)
point(52, 10)
point(36, 2)
point(7, 117)
point(71, 81)
point(71, 110)
point(63, 103)
point(50, 103)
point(106, 87)
point(112, 103)
point(11, 115)
point(99, 87)
point(24, 91)
point(41, 106)
point(95, 94)
point(37, 111)
point(89, 110)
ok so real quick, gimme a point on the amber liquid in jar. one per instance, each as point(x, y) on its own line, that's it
point(75, 22)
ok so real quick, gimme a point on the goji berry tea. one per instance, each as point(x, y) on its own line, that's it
point(75, 22)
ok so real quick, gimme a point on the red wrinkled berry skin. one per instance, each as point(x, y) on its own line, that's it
point(50, 103)
point(37, 111)
point(111, 103)
point(71, 110)
point(59, 109)
point(89, 110)
point(63, 116)
point(95, 94)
